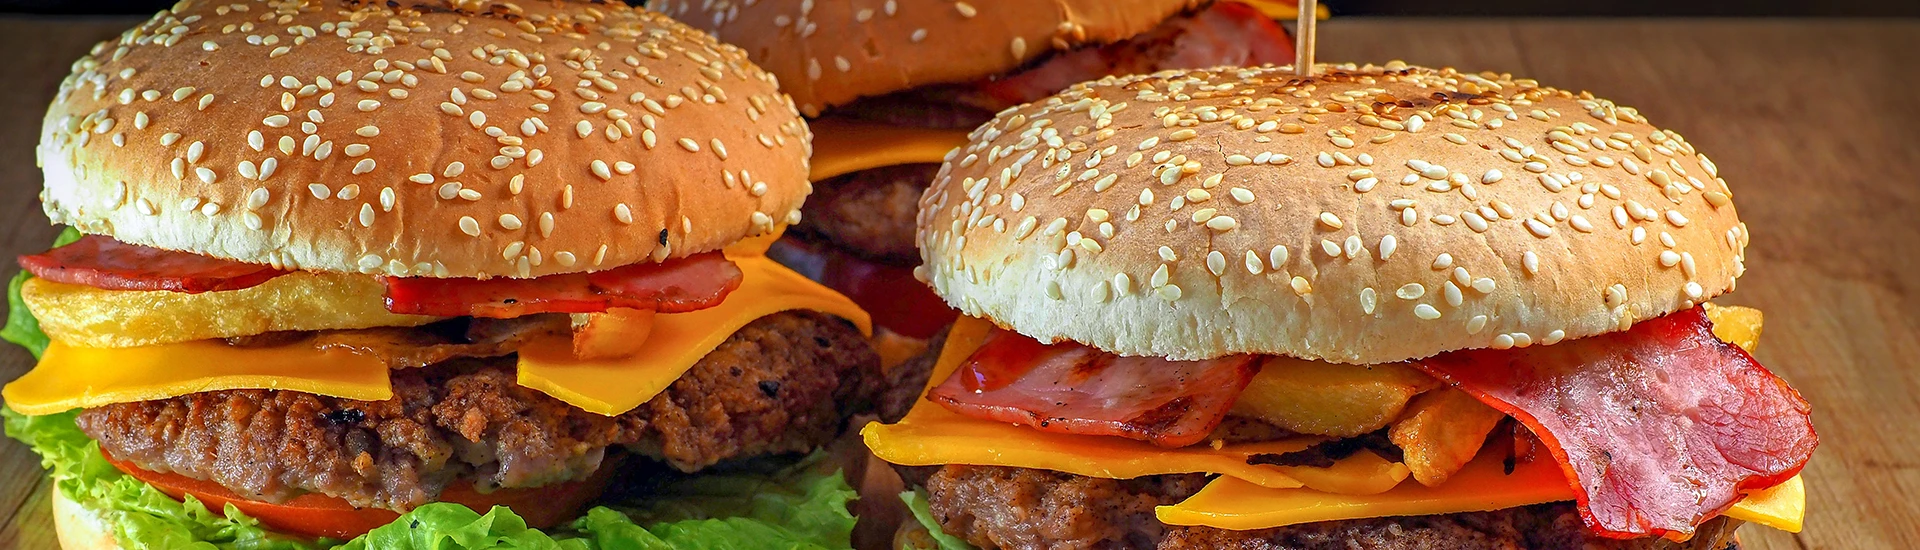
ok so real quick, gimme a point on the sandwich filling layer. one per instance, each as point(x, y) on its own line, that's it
point(1291, 478)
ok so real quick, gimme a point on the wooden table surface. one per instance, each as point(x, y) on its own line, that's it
point(1810, 120)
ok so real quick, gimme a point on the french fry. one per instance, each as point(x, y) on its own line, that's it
point(1440, 431)
point(617, 333)
point(1319, 398)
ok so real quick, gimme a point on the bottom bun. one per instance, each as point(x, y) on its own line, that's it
point(80, 527)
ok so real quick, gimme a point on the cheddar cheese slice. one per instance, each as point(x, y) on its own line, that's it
point(932, 435)
point(678, 340)
point(70, 377)
point(843, 146)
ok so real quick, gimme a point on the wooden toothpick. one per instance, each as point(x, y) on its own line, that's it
point(1304, 38)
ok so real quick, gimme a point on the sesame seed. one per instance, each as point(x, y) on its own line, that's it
point(1331, 221)
point(965, 9)
point(689, 145)
point(1676, 218)
point(470, 226)
point(366, 215)
point(601, 171)
point(509, 222)
point(1426, 312)
point(1538, 229)
point(362, 167)
point(1301, 286)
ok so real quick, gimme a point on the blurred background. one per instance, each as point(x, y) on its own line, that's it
point(1613, 8)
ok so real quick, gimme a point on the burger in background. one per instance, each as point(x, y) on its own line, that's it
point(1378, 307)
point(430, 275)
point(892, 85)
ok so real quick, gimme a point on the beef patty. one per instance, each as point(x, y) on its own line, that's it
point(870, 212)
point(1021, 508)
point(784, 383)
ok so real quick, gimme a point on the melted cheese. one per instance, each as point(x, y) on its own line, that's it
point(843, 146)
point(1246, 496)
point(678, 340)
point(70, 377)
point(1229, 503)
point(932, 435)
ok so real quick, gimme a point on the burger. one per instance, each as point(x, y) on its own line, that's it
point(892, 86)
point(1375, 307)
point(430, 274)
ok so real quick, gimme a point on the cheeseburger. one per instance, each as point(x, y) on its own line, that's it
point(337, 262)
point(892, 86)
point(1379, 307)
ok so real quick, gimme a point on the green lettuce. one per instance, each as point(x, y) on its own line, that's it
point(802, 507)
point(923, 512)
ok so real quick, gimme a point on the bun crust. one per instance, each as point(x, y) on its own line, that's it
point(491, 138)
point(828, 53)
point(1370, 214)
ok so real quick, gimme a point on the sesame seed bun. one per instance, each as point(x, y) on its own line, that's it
point(829, 53)
point(1371, 214)
point(515, 139)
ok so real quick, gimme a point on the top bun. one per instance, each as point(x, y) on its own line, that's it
point(1365, 215)
point(462, 139)
point(828, 53)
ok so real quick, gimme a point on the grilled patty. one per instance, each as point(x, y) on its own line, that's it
point(784, 383)
point(1020, 508)
point(870, 212)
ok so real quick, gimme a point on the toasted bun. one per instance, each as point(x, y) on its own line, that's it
point(1367, 215)
point(81, 528)
point(488, 138)
point(828, 53)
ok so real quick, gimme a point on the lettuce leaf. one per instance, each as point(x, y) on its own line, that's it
point(803, 507)
point(21, 327)
point(923, 512)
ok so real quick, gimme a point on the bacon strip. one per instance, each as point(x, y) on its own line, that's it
point(104, 263)
point(1075, 389)
point(1661, 426)
point(686, 284)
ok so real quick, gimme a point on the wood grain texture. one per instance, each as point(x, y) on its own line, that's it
point(1809, 120)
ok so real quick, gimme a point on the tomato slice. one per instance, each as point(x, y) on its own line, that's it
point(896, 300)
point(317, 515)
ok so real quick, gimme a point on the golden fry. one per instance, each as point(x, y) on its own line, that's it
point(90, 317)
point(619, 332)
point(1440, 432)
point(1318, 398)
